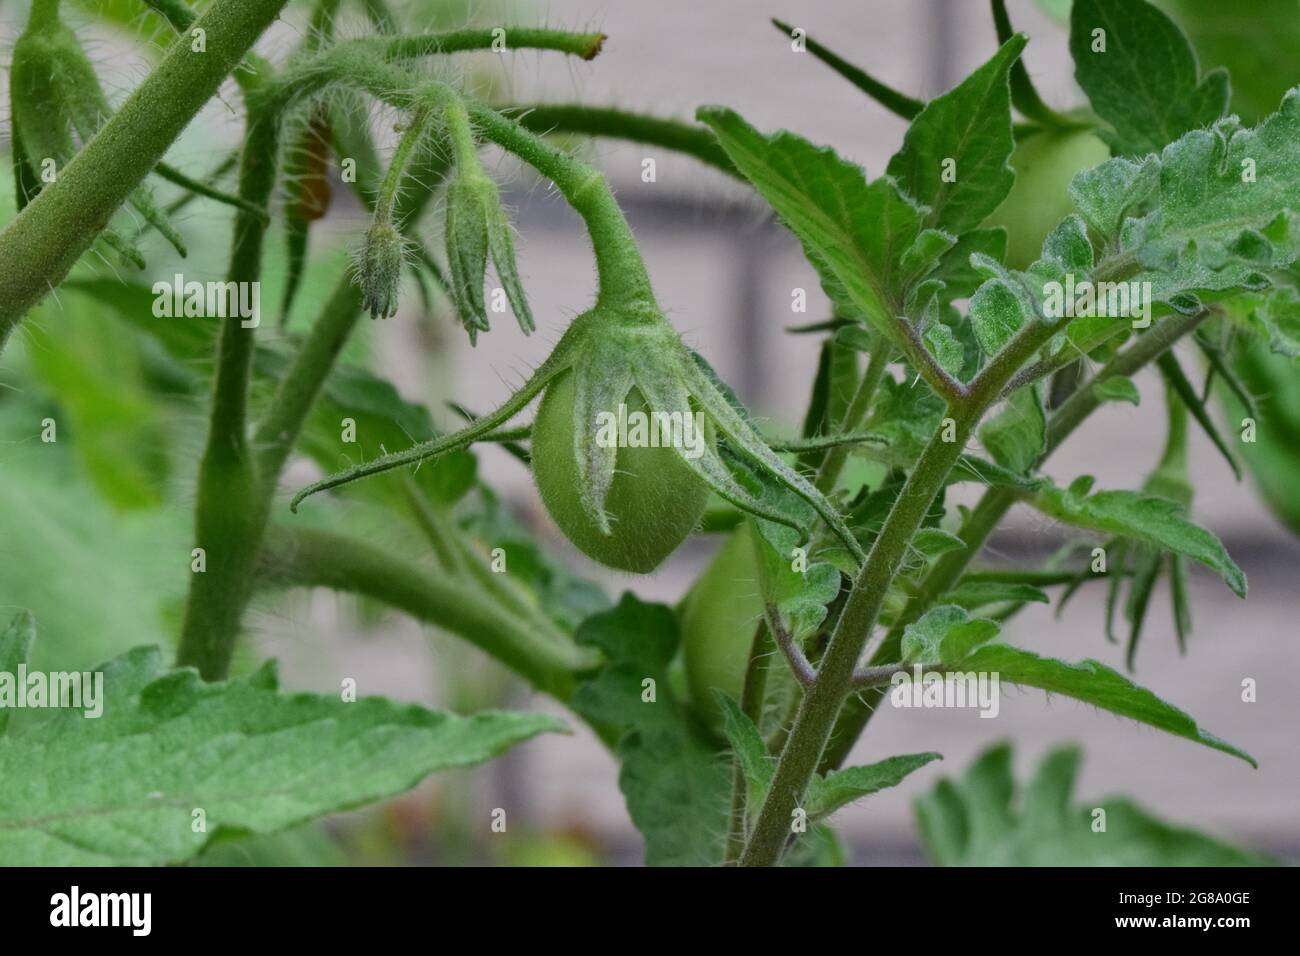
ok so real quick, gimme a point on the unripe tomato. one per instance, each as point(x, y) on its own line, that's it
point(654, 501)
point(1044, 162)
point(719, 617)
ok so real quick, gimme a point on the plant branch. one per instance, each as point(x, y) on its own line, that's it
point(311, 558)
point(927, 366)
point(993, 506)
point(199, 188)
point(752, 694)
point(803, 671)
point(689, 139)
point(584, 45)
point(40, 246)
point(297, 391)
point(868, 677)
point(822, 702)
point(900, 104)
point(230, 508)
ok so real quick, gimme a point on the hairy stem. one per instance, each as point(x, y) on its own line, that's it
point(279, 429)
point(41, 245)
point(583, 45)
point(619, 267)
point(823, 699)
point(230, 510)
point(311, 558)
point(989, 512)
point(689, 139)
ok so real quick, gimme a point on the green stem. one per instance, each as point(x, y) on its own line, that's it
point(40, 246)
point(897, 103)
point(235, 490)
point(230, 508)
point(621, 272)
point(989, 512)
point(687, 138)
point(416, 127)
point(434, 526)
point(279, 428)
point(584, 45)
point(310, 558)
point(823, 699)
point(854, 415)
point(370, 58)
point(199, 188)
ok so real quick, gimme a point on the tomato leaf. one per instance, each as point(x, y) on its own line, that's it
point(838, 788)
point(1141, 74)
point(984, 819)
point(1151, 520)
point(1117, 388)
point(1277, 315)
point(854, 232)
point(676, 789)
point(1226, 210)
point(997, 313)
point(933, 542)
point(954, 155)
point(124, 788)
point(15, 648)
point(976, 594)
point(756, 764)
point(1017, 436)
point(945, 636)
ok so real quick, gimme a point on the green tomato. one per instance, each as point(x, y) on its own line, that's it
point(1045, 163)
point(719, 616)
point(654, 501)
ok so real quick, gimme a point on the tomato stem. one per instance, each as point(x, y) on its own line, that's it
point(990, 510)
point(824, 698)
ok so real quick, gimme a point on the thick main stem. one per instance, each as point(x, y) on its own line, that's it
point(989, 512)
point(40, 246)
point(822, 701)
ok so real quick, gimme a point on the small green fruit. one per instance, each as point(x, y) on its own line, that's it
point(719, 617)
point(1045, 163)
point(654, 501)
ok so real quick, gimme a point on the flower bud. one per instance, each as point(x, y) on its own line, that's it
point(467, 248)
point(379, 269)
point(476, 226)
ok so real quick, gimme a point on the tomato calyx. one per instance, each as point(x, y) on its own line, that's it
point(608, 354)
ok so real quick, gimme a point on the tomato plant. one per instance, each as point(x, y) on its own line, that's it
point(1007, 274)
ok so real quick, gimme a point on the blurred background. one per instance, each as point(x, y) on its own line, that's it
point(94, 552)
